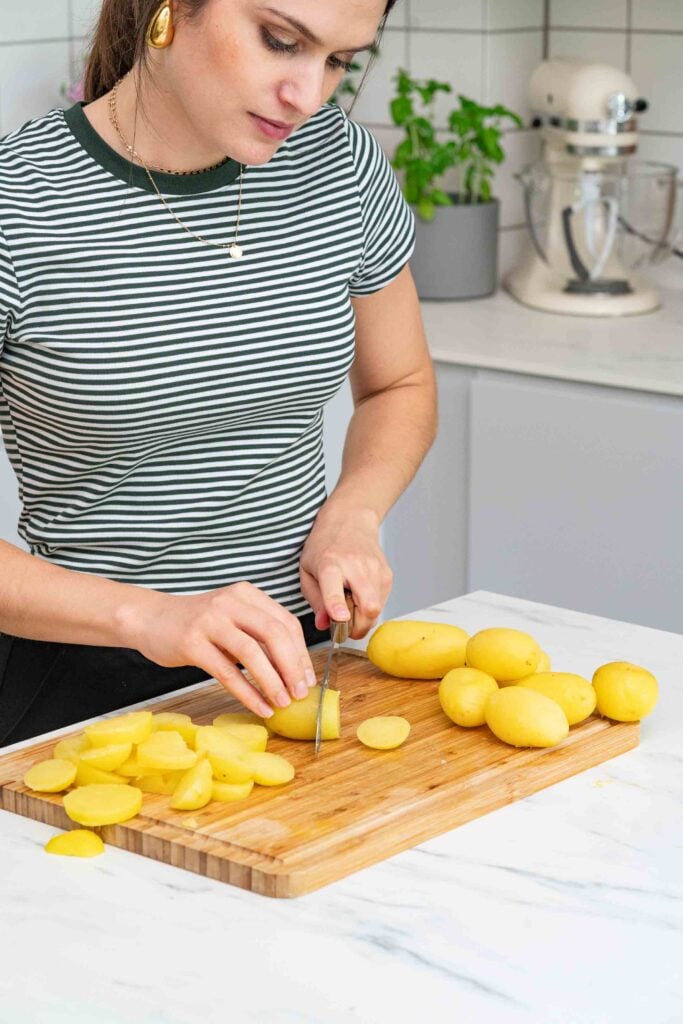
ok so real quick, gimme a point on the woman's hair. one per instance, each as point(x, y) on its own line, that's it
point(118, 41)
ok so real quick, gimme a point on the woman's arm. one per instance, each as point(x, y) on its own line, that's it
point(393, 426)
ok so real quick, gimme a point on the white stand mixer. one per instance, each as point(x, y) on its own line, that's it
point(593, 212)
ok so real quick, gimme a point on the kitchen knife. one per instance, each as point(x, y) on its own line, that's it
point(339, 632)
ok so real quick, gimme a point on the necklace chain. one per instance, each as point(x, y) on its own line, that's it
point(235, 250)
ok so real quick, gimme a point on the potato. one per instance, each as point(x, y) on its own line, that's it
point(298, 720)
point(164, 751)
point(625, 692)
point(505, 654)
point(230, 769)
point(102, 804)
point(51, 776)
point(269, 769)
point(194, 788)
point(108, 758)
point(132, 727)
point(88, 774)
point(254, 735)
point(525, 718)
point(130, 768)
point(163, 782)
point(411, 649)
point(80, 842)
point(463, 693)
point(544, 665)
point(383, 732)
point(71, 747)
point(219, 741)
point(573, 693)
point(175, 721)
point(227, 792)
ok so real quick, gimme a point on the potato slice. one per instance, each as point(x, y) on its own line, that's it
point(229, 769)
point(130, 768)
point(164, 751)
point(87, 774)
point(227, 792)
point(176, 722)
point(269, 769)
point(298, 720)
point(71, 747)
point(165, 782)
point(51, 776)
point(383, 732)
point(219, 741)
point(80, 842)
point(236, 717)
point(194, 788)
point(102, 804)
point(255, 736)
point(133, 727)
point(108, 758)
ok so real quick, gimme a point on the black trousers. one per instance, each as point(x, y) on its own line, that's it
point(45, 685)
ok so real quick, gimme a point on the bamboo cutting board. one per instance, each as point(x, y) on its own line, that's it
point(347, 808)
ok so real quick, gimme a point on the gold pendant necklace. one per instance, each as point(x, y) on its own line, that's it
point(235, 250)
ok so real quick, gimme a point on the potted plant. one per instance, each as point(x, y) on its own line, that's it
point(456, 246)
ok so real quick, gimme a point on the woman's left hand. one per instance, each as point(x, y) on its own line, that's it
point(342, 551)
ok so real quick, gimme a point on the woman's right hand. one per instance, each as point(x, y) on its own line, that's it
point(213, 631)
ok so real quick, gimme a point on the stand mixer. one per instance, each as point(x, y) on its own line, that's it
point(595, 214)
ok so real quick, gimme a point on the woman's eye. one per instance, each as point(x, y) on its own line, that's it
point(276, 44)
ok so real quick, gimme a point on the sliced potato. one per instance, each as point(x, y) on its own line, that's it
point(108, 758)
point(269, 769)
point(251, 733)
point(298, 720)
point(102, 804)
point(164, 782)
point(194, 788)
point(88, 774)
point(219, 741)
point(176, 722)
point(51, 776)
point(383, 732)
point(228, 792)
point(133, 727)
point(80, 842)
point(71, 747)
point(229, 769)
point(130, 768)
point(165, 751)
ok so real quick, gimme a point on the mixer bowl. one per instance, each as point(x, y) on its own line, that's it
point(595, 220)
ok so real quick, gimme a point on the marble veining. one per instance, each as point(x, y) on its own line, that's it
point(562, 908)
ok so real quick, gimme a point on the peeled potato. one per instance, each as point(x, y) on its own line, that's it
point(269, 769)
point(164, 751)
point(463, 693)
point(130, 768)
point(88, 774)
point(227, 792)
point(164, 782)
point(253, 734)
point(229, 769)
point(573, 693)
point(525, 718)
point(411, 649)
point(298, 720)
point(80, 842)
point(544, 665)
point(194, 788)
point(175, 721)
point(219, 741)
point(133, 727)
point(625, 692)
point(383, 732)
point(505, 654)
point(102, 804)
point(108, 758)
point(71, 747)
point(51, 776)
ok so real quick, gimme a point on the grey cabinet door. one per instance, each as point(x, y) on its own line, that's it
point(576, 497)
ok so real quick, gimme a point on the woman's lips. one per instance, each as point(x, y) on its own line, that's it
point(270, 129)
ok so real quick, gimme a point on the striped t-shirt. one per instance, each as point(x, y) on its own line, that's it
point(162, 404)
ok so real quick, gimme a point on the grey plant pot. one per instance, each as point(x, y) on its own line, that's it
point(456, 253)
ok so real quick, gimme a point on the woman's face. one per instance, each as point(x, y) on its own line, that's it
point(227, 67)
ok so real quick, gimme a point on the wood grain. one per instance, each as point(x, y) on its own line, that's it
point(347, 808)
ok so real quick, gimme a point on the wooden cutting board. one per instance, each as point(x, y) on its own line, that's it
point(347, 808)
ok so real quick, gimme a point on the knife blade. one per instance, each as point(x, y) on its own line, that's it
point(339, 632)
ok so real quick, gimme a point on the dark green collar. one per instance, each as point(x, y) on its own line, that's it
point(134, 174)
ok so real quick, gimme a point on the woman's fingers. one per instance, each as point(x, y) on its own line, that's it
point(215, 662)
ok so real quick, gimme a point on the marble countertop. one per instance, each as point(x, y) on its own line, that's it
point(563, 908)
point(642, 352)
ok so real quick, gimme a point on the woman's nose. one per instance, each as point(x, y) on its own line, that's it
point(305, 93)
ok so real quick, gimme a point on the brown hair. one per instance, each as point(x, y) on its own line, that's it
point(118, 41)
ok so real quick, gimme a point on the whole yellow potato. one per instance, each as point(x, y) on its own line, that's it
point(463, 693)
point(544, 664)
point(410, 649)
point(80, 842)
point(505, 654)
point(298, 720)
point(525, 718)
point(625, 692)
point(383, 732)
point(573, 693)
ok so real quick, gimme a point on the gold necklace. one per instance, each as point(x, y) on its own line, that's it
point(236, 252)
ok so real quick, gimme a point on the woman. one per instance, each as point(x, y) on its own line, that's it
point(173, 321)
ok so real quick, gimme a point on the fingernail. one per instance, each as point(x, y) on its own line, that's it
point(310, 677)
point(300, 689)
point(283, 699)
point(341, 611)
point(266, 711)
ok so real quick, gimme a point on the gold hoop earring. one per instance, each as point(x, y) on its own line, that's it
point(160, 31)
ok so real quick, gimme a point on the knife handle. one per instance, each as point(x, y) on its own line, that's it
point(345, 627)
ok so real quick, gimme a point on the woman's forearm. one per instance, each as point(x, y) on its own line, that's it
point(42, 601)
point(388, 436)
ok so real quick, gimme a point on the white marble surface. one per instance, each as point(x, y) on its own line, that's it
point(563, 908)
point(642, 352)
